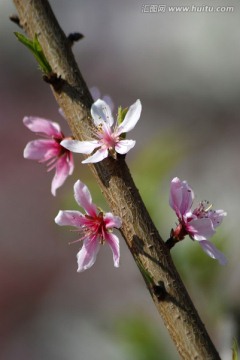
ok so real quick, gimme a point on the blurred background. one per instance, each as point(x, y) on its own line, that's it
point(185, 69)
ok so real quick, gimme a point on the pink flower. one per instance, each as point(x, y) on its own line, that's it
point(49, 149)
point(200, 223)
point(107, 139)
point(95, 226)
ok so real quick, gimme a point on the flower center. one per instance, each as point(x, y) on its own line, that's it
point(203, 209)
point(107, 136)
point(96, 225)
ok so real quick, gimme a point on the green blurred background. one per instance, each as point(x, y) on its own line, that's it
point(185, 69)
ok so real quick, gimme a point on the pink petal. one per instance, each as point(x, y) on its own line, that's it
point(112, 221)
point(181, 196)
point(84, 199)
point(123, 146)
point(99, 155)
point(41, 149)
point(82, 147)
point(216, 216)
point(71, 163)
point(63, 170)
point(86, 257)
point(113, 242)
point(101, 112)
point(200, 229)
point(131, 118)
point(70, 218)
point(42, 126)
point(213, 252)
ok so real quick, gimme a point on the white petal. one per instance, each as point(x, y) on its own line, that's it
point(84, 199)
point(101, 112)
point(123, 146)
point(95, 92)
point(99, 155)
point(82, 147)
point(131, 118)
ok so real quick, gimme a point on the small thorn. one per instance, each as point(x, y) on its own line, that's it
point(15, 19)
point(74, 37)
point(55, 80)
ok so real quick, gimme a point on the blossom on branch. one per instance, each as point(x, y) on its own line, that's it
point(49, 150)
point(95, 226)
point(107, 139)
point(199, 223)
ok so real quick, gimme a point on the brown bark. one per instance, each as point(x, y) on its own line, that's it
point(148, 249)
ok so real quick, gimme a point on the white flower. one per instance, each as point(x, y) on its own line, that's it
point(107, 139)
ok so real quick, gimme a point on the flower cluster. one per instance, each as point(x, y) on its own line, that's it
point(199, 223)
point(94, 225)
point(55, 150)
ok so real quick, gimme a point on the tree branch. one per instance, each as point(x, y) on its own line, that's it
point(148, 249)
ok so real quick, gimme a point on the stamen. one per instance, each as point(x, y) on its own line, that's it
point(78, 240)
point(209, 207)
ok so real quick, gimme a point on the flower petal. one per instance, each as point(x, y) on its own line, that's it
point(112, 221)
point(95, 92)
point(181, 197)
point(101, 112)
point(131, 118)
point(200, 229)
point(42, 126)
point(82, 147)
point(86, 257)
point(213, 252)
point(63, 170)
point(41, 149)
point(216, 216)
point(123, 146)
point(71, 162)
point(99, 155)
point(70, 218)
point(113, 242)
point(84, 199)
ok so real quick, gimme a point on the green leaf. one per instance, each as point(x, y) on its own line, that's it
point(120, 117)
point(35, 47)
point(121, 114)
point(235, 350)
